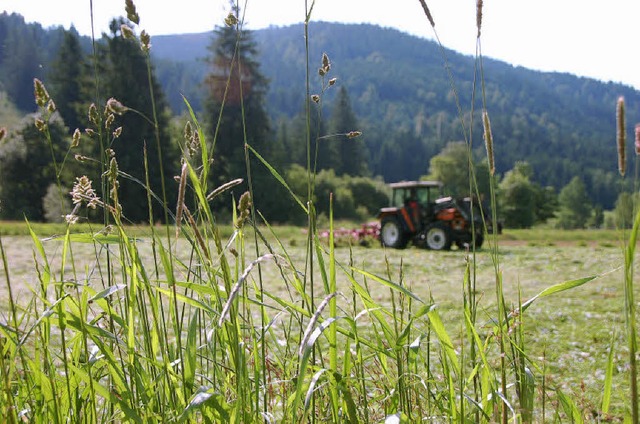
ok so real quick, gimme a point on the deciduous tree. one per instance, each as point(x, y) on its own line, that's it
point(28, 170)
point(518, 197)
point(575, 206)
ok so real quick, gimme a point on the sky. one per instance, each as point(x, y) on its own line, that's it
point(581, 37)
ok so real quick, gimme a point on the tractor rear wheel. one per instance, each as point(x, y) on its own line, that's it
point(438, 236)
point(391, 234)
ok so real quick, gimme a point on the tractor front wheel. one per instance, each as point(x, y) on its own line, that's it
point(438, 236)
point(391, 234)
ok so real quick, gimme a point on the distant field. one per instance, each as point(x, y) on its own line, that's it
point(531, 236)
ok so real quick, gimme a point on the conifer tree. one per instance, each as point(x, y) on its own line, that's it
point(127, 80)
point(352, 154)
point(20, 62)
point(235, 110)
point(68, 81)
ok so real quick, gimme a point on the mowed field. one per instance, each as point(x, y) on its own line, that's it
point(569, 334)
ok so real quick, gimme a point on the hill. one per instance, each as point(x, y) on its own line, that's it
point(401, 91)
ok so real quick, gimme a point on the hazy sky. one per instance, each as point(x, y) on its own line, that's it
point(582, 37)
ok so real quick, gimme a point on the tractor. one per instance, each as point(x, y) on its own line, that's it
point(419, 214)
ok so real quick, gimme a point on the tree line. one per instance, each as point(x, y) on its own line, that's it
point(522, 202)
point(39, 169)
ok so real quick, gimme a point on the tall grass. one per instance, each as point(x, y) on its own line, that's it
point(194, 332)
point(629, 256)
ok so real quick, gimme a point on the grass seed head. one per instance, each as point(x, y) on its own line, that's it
point(112, 176)
point(83, 192)
point(109, 121)
point(479, 16)
point(621, 136)
point(51, 106)
point(231, 20)
point(637, 139)
point(354, 134)
point(41, 125)
point(191, 138)
point(188, 131)
point(132, 14)
point(93, 114)
point(427, 12)
point(75, 140)
point(326, 63)
point(315, 98)
point(224, 187)
point(112, 172)
point(3, 133)
point(71, 218)
point(114, 106)
point(145, 41)
point(488, 141)
point(127, 32)
point(40, 93)
point(244, 209)
point(117, 132)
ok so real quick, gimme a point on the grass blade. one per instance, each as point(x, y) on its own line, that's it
point(557, 288)
point(608, 379)
point(278, 177)
point(445, 340)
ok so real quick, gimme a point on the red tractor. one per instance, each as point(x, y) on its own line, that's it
point(419, 214)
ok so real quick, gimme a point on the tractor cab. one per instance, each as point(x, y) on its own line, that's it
point(423, 192)
point(414, 201)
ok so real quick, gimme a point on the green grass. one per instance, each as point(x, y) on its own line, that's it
point(538, 236)
point(575, 360)
point(554, 235)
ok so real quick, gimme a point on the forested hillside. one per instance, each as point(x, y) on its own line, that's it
point(561, 124)
point(400, 92)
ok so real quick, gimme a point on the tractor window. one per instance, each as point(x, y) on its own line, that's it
point(397, 199)
point(423, 197)
point(401, 197)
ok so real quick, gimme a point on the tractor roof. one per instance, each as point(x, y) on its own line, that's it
point(412, 184)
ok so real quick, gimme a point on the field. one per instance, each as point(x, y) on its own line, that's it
point(568, 335)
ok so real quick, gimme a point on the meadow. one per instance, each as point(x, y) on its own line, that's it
point(568, 336)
